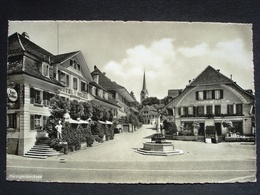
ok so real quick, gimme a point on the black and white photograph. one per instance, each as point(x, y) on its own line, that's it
point(130, 102)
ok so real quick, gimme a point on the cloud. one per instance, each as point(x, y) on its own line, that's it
point(198, 50)
point(169, 66)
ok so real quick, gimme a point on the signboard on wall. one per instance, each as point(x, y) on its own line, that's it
point(13, 99)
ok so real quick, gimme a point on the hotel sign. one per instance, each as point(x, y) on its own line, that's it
point(209, 102)
point(12, 94)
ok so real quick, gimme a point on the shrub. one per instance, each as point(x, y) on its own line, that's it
point(170, 127)
point(88, 136)
point(55, 144)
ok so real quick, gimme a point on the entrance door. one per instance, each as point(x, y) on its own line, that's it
point(201, 129)
point(218, 128)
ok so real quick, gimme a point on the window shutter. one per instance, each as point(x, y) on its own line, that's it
point(213, 94)
point(32, 92)
point(32, 124)
point(197, 95)
point(68, 80)
point(204, 95)
point(179, 111)
point(194, 111)
point(221, 94)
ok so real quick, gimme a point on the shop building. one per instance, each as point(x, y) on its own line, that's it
point(211, 99)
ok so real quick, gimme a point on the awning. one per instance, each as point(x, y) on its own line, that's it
point(73, 121)
point(102, 122)
point(109, 122)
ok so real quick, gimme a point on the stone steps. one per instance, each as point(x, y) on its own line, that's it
point(159, 153)
point(41, 150)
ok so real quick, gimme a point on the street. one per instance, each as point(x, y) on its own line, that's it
point(116, 161)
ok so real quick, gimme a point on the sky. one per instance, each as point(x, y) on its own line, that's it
point(170, 53)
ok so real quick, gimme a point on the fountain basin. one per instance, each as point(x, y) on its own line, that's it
point(158, 149)
point(153, 146)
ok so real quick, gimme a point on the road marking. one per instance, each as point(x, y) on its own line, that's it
point(130, 170)
point(239, 178)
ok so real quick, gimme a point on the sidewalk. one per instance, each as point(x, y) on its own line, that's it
point(123, 147)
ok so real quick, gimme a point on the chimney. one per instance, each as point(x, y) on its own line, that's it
point(218, 70)
point(25, 35)
point(95, 67)
point(231, 76)
point(104, 73)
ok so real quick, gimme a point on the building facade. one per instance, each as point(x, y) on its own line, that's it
point(34, 76)
point(150, 114)
point(211, 99)
point(116, 93)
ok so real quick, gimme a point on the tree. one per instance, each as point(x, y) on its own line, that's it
point(97, 112)
point(76, 109)
point(151, 101)
point(88, 111)
point(59, 106)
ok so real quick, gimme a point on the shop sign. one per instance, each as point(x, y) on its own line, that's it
point(12, 94)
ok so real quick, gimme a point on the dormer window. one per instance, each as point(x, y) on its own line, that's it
point(75, 64)
point(45, 69)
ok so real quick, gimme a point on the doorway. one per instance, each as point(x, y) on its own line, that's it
point(218, 128)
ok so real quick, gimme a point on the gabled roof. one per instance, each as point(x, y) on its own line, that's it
point(109, 85)
point(210, 76)
point(63, 57)
point(18, 43)
point(105, 81)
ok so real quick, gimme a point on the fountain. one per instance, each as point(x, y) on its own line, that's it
point(158, 147)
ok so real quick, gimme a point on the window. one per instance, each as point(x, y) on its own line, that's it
point(200, 110)
point(75, 83)
point(44, 120)
point(83, 86)
point(230, 109)
point(35, 96)
point(11, 121)
point(217, 94)
point(200, 97)
point(209, 109)
point(45, 69)
point(190, 110)
point(217, 110)
point(209, 95)
point(239, 109)
point(35, 122)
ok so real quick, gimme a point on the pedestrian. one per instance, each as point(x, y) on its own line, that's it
point(58, 127)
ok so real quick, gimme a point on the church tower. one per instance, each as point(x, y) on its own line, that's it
point(144, 92)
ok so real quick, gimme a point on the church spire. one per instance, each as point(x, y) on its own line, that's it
point(144, 92)
point(144, 83)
